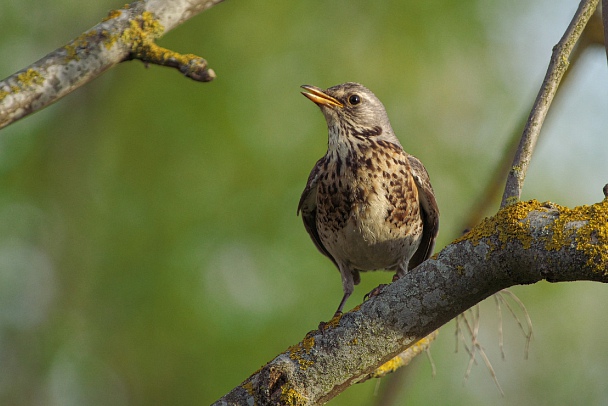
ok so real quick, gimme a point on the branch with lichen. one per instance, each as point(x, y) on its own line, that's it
point(592, 37)
point(557, 67)
point(125, 34)
point(522, 244)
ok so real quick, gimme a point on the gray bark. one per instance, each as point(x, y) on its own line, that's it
point(524, 243)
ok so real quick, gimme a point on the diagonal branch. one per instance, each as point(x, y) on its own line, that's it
point(557, 67)
point(522, 244)
point(592, 36)
point(125, 34)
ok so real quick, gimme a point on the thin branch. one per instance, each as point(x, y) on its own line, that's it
point(522, 244)
point(557, 67)
point(526, 331)
point(125, 34)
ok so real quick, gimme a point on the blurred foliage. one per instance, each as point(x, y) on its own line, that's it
point(149, 249)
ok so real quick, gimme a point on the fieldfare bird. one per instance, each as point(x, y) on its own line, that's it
point(368, 204)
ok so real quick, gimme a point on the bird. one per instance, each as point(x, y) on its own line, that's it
point(367, 205)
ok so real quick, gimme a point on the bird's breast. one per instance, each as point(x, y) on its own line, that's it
point(368, 209)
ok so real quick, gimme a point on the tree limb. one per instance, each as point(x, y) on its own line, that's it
point(522, 244)
point(125, 34)
point(557, 67)
point(592, 36)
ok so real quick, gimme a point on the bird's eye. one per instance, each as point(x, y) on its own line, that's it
point(354, 99)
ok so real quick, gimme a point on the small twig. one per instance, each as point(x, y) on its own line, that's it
point(497, 300)
point(476, 347)
point(527, 332)
point(557, 67)
point(431, 361)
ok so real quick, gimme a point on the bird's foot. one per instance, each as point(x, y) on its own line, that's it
point(334, 320)
point(375, 292)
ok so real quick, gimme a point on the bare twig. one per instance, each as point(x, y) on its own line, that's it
point(526, 331)
point(125, 34)
point(497, 300)
point(557, 67)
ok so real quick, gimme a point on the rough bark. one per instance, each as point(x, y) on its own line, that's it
point(522, 244)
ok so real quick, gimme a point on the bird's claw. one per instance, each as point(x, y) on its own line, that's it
point(374, 292)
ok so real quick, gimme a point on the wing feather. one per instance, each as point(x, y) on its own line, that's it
point(308, 208)
point(429, 212)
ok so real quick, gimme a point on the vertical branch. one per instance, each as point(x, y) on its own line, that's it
point(557, 67)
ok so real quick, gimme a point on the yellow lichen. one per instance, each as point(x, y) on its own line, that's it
point(334, 322)
point(589, 227)
point(141, 34)
point(388, 367)
point(248, 386)
point(506, 224)
point(405, 357)
point(29, 78)
point(112, 14)
point(299, 351)
point(292, 397)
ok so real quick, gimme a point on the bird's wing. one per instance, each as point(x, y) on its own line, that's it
point(308, 208)
point(429, 212)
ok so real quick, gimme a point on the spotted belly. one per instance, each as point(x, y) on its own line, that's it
point(368, 222)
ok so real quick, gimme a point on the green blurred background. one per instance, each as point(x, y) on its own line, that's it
point(150, 252)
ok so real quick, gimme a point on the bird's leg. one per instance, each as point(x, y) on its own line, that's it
point(323, 325)
point(341, 306)
point(348, 285)
point(401, 270)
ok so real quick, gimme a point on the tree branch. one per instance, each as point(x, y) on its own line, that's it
point(522, 244)
point(593, 35)
point(557, 67)
point(125, 34)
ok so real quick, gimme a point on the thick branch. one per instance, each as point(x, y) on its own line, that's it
point(557, 67)
point(128, 33)
point(524, 243)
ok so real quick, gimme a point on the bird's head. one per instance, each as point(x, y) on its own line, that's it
point(352, 111)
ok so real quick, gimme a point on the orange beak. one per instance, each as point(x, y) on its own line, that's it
point(318, 97)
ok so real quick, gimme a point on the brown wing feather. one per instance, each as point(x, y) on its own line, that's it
point(308, 208)
point(429, 212)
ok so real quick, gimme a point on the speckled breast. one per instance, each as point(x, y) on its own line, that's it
point(368, 210)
